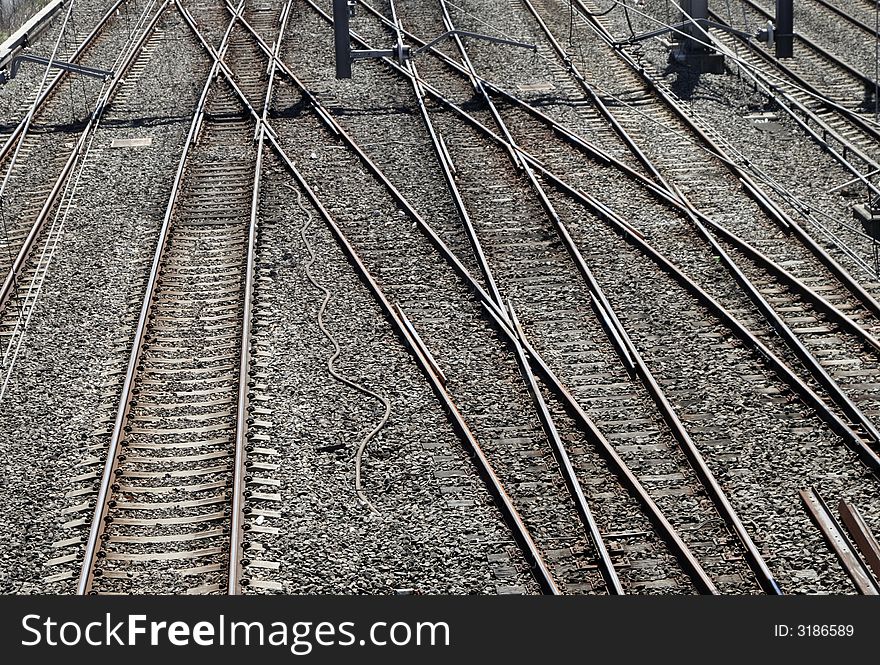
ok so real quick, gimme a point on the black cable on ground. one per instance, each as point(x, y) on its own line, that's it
point(336, 351)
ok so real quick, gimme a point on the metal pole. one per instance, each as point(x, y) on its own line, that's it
point(876, 58)
point(784, 28)
point(699, 11)
point(342, 39)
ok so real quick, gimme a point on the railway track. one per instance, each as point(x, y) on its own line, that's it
point(602, 458)
point(182, 463)
point(851, 25)
point(491, 396)
point(671, 239)
point(538, 273)
point(847, 135)
point(860, 13)
point(793, 287)
point(799, 308)
point(447, 147)
point(530, 487)
point(831, 101)
point(818, 60)
point(813, 77)
point(31, 137)
point(42, 174)
point(87, 51)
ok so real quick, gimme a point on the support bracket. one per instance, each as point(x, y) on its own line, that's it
point(475, 35)
point(7, 75)
point(679, 28)
point(345, 55)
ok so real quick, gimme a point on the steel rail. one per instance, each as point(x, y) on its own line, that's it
point(510, 144)
point(775, 364)
point(840, 544)
point(849, 18)
point(501, 320)
point(100, 517)
point(703, 581)
point(21, 258)
point(770, 89)
point(751, 187)
point(519, 530)
point(448, 168)
point(234, 580)
point(663, 193)
point(785, 101)
point(566, 468)
point(591, 527)
point(713, 42)
point(775, 213)
point(574, 487)
point(43, 97)
point(421, 354)
point(794, 343)
point(631, 358)
point(571, 480)
point(713, 488)
point(865, 541)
